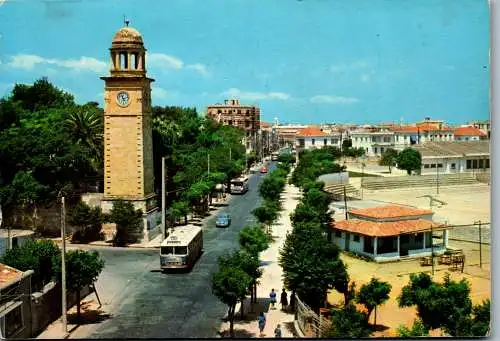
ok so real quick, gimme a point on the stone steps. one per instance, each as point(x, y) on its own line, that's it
point(419, 181)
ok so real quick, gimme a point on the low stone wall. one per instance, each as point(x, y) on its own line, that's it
point(47, 306)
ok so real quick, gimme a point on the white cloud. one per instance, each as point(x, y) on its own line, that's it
point(165, 61)
point(159, 93)
point(202, 69)
point(25, 61)
point(249, 95)
point(2, 2)
point(333, 99)
point(29, 61)
point(347, 67)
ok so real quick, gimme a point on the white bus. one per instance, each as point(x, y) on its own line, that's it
point(275, 156)
point(181, 248)
point(240, 185)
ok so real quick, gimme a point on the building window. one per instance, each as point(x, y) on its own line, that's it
point(375, 150)
point(313, 141)
point(469, 164)
point(355, 237)
point(433, 165)
point(487, 163)
point(426, 165)
point(14, 321)
point(301, 143)
point(338, 234)
point(440, 165)
point(230, 122)
point(453, 166)
point(324, 142)
point(474, 164)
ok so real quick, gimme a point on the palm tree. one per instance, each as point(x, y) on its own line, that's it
point(87, 127)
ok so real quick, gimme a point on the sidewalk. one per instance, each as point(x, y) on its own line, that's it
point(271, 279)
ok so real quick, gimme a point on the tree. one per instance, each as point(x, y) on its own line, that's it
point(481, 318)
point(178, 210)
point(417, 330)
point(444, 305)
point(346, 144)
point(348, 322)
point(265, 214)
point(82, 269)
point(389, 158)
point(311, 265)
point(229, 284)
point(270, 188)
point(128, 222)
point(89, 222)
point(409, 159)
point(36, 255)
point(253, 239)
point(373, 294)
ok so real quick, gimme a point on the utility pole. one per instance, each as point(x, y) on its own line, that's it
point(437, 178)
point(63, 266)
point(345, 203)
point(208, 164)
point(362, 178)
point(480, 246)
point(432, 250)
point(163, 199)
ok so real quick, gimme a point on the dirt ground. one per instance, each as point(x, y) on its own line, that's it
point(464, 205)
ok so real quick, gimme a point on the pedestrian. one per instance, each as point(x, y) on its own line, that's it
point(284, 300)
point(277, 331)
point(262, 323)
point(272, 296)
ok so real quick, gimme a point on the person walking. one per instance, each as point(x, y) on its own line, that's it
point(272, 296)
point(277, 331)
point(262, 323)
point(284, 300)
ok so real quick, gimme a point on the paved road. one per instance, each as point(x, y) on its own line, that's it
point(156, 305)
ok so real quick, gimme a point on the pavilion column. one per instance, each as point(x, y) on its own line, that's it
point(445, 238)
point(375, 246)
point(398, 244)
point(129, 59)
point(425, 235)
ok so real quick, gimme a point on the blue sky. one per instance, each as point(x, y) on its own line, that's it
point(308, 61)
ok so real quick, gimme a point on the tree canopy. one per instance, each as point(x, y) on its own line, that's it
point(445, 305)
point(82, 269)
point(409, 159)
point(389, 158)
point(373, 294)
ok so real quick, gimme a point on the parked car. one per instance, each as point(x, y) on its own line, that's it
point(223, 220)
point(263, 169)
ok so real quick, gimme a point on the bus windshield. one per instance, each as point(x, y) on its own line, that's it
point(181, 250)
point(237, 183)
point(165, 250)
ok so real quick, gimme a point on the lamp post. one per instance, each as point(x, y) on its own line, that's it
point(63, 266)
point(163, 199)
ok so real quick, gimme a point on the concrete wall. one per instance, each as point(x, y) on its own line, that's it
point(17, 294)
point(47, 306)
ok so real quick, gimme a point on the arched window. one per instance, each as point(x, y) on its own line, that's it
point(135, 61)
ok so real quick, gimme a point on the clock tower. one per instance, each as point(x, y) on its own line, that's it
point(128, 145)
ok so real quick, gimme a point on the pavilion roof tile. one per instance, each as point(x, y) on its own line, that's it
point(390, 211)
point(384, 229)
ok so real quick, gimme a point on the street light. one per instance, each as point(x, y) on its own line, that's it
point(63, 266)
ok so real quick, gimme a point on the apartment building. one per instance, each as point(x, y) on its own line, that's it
point(246, 117)
point(374, 142)
point(313, 137)
point(469, 134)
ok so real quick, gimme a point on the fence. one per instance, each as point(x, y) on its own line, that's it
point(474, 232)
point(310, 323)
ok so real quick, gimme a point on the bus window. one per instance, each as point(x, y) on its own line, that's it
point(181, 250)
point(165, 250)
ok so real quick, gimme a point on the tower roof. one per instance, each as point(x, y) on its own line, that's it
point(128, 35)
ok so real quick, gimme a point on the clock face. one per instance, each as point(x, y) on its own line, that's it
point(123, 98)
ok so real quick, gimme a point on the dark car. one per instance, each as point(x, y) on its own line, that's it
point(223, 220)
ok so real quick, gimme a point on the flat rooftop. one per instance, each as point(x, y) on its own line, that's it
point(453, 148)
point(4, 233)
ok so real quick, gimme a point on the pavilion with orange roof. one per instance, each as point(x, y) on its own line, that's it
point(390, 232)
